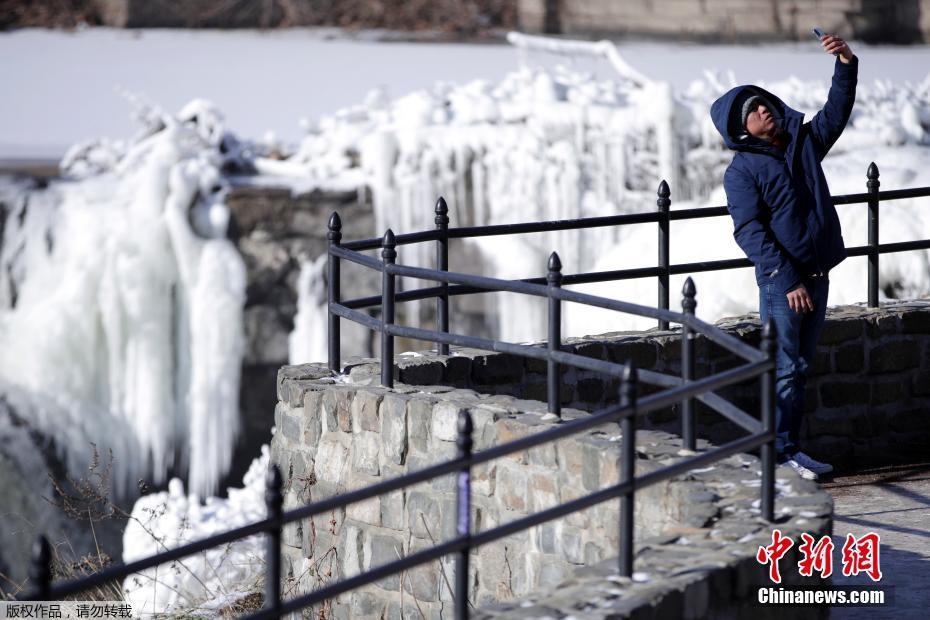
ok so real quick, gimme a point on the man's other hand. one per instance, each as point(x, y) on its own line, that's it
point(832, 44)
point(800, 300)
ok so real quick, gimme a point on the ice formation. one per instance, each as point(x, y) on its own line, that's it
point(554, 143)
point(124, 323)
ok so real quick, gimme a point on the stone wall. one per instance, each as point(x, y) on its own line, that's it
point(898, 21)
point(696, 535)
point(867, 400)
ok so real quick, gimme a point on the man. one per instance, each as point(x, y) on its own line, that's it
point(785, 222)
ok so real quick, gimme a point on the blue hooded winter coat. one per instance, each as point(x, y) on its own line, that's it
point(783, 216)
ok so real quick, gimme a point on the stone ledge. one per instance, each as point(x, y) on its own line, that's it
point(696, 535)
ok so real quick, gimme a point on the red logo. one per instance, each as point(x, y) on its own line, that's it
point(773, 553)
point(860, 555)
point(817, 557)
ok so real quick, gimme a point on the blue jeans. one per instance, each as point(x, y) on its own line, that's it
point(796, 344)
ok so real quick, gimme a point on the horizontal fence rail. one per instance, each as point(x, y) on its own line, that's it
point(674, 390)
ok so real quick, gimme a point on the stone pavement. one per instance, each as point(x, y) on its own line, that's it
point(895, 503)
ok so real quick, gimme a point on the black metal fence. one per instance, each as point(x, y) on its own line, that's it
point(673, 390)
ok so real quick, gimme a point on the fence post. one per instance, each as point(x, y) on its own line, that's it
point(335, 237)
point(768, 422)
point(663, 202)
point(872, 184)
point(388, 254)
point(688, 304)
point(554, 278)
point(273, 505)
point(463, 512)
point(442, 264)
point(40, 570)
point(627, 455)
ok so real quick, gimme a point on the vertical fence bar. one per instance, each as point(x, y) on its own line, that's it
point(554, 384)
point(872, 185)
point(688, 304)
point(40, 569)
point(663, 203)
point(463, 513)
point(627, 455)
point(442, 264)
point(768, 423)
point(335, 238)
point(388, 255)
point(273, 507)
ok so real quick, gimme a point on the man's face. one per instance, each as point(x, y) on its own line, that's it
point(760, 123)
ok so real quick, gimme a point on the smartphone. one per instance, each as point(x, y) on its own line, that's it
point(820, 34)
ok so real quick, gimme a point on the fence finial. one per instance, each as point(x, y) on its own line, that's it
point(688, 302)
point(388, 243)
point(40, 571)
point(335, 226)
point(872, 174)
point(664, 194)
point(442, 210)
point(555, 266)
point(629, 377)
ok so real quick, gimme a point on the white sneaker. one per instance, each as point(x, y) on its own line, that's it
point(802, 471)
point(815, 466)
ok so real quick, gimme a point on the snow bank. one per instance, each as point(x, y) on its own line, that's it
point(199, 585)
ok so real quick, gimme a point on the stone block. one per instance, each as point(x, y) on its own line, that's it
point(885, 392)
point(916, 322)
point(842, 393)
point(331, 463)
point(457, 371)
point(367, 511)
point(496, 369)
point(642, 352)
point(365, 605)
point(312, 419)
point(365, 410)
point(337, 415)
point(444, 423)
point(350, 549)
point(836, 331)
point(542, 491)
point(423, 506)
point(484, 479)
point(290, 425)
point(850, 358)
point(832, 421)
point(420, 371)
point(894, 356)
point(512, 488)
point(419, 421)
point(423, 581)
point(380, 549)
point(593, 349)
point(392, 510)
point(880, 324)
point(366, 453)
point(394, 428)
point(590, 391)
point(920, 383)
point(908, 420)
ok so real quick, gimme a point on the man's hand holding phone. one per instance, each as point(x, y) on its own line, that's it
point(832, 44)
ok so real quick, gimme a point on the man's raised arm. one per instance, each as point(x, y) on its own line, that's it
point(828, 124)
